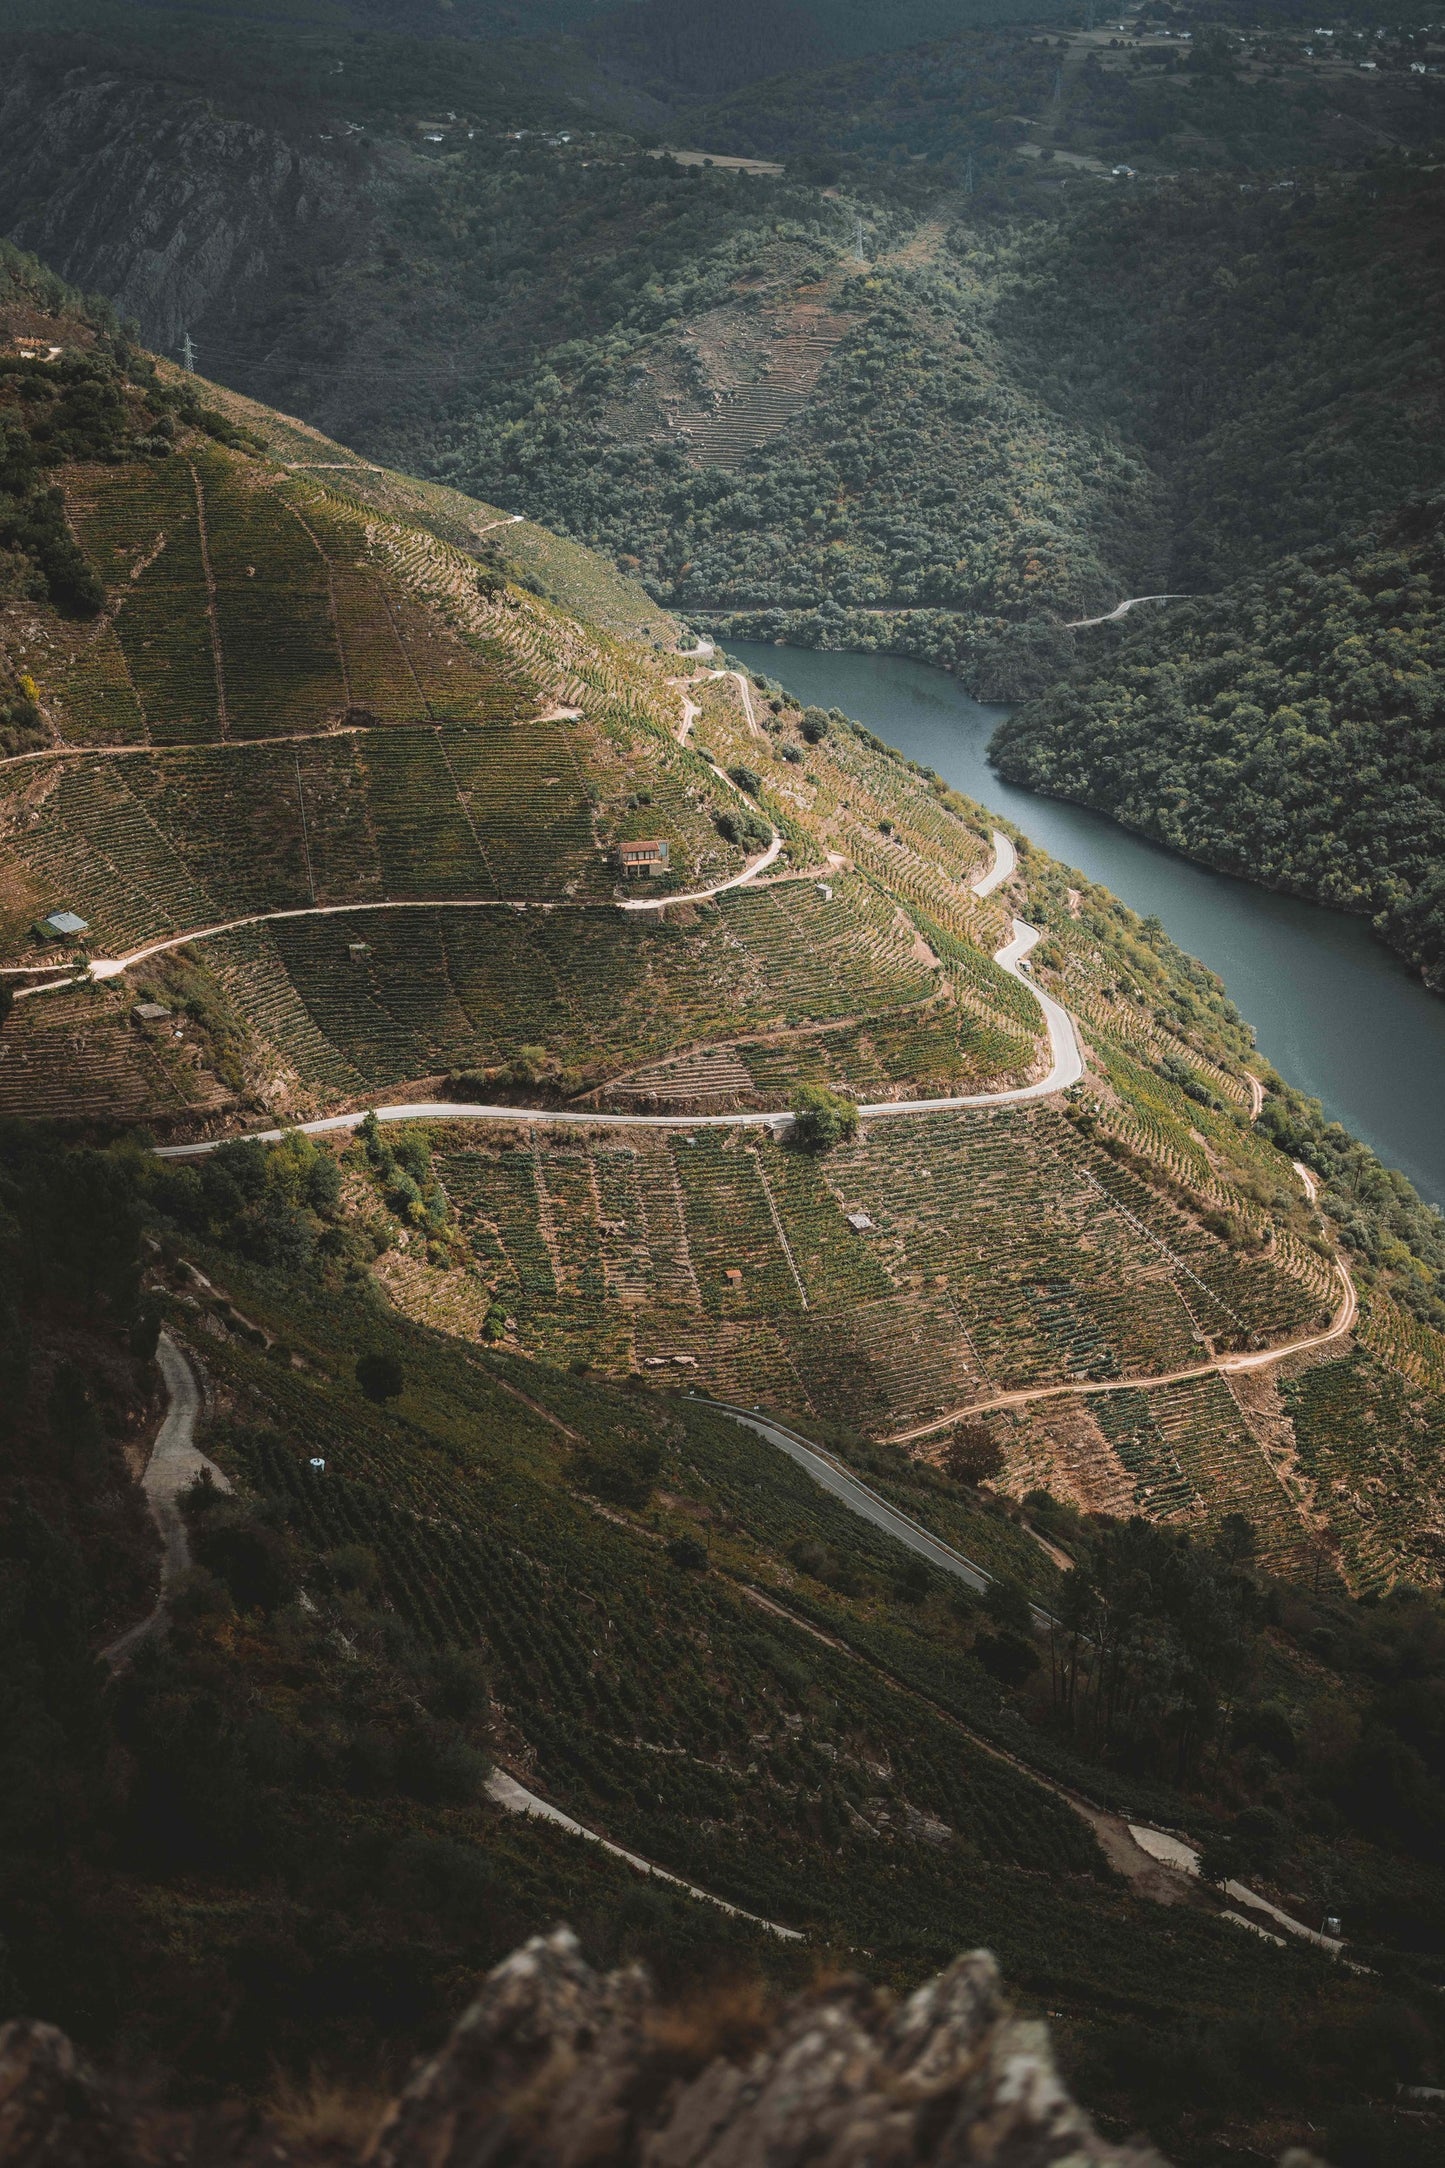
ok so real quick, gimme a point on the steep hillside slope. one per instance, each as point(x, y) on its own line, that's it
point(341, 811)
point(1289, 730)
point(448, 1580)
point(341, 807)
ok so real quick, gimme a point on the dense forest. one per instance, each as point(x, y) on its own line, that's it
point(1289, 730)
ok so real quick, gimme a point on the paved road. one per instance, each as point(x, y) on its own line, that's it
point(516, 1799)
point(1080, 624)
point(1005, 859)
point(1066, 1068)
point(832, 1476)
point(176, 1460)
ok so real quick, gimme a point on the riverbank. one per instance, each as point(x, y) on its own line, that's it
point(1341, 1018)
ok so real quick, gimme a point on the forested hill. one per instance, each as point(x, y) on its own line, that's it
point(1291, 730)
point(1271, 350)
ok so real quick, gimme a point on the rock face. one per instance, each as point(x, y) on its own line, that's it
point(555, 2066)
point(53, 2113)
point(153, 198)
point(558, 2066)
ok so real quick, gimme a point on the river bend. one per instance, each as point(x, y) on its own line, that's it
point(1337, 1013)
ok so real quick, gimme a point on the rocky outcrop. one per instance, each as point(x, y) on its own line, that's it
point(53, 2111)
point(557, 2066)
point(185, 217)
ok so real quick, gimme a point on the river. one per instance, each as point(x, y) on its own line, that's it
point(1338, 1014)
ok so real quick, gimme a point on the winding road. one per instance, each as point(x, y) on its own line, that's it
point(504, 1791)
point(175, 1462)
point(1066, 1067)
point(112, 967)
point(1111, 617)
point(1219, 1366)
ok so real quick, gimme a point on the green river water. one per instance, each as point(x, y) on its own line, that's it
point(1337, 1013)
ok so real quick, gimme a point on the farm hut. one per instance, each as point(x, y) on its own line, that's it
point(648, 855)
point(859, 1222)
point(733, 1276)
point(61, 926)
point(150, 1012)
point(358, 951)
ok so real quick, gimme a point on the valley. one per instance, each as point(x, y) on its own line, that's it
point(634, 1289)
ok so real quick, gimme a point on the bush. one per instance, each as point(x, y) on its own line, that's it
point(814, 725)
point(1008, 1657)
point(973, 1455)
point(1008, 1606)
point(620, 1470)
point(746, 779)
point(254, 1561)
point(687, 1552)
point(380, 1377)
point(822, 1119)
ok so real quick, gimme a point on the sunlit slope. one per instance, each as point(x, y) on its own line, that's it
point(350, 804)
point(342, 806)
point(565, 572)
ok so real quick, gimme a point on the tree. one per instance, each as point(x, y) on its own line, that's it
point(822, 1119)
point(380, 1377)
point(1007, 1604)
point(973, 1454)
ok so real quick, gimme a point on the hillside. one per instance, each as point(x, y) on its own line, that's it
point(1287, 730)
point(1040, 389)
point(341, 810)
point(341, 806)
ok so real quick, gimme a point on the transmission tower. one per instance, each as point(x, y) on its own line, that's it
point(1058, 85)
point(188, 354)
point(862, 253)
point(968, 176)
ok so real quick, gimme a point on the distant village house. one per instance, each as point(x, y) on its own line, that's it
point(649, 856)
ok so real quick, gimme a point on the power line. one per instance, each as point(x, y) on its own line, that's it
point(188, 354)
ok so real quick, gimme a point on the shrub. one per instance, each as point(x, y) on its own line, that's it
point(1007, 1657)
point(254, 1561)
point(746, 779)
point(973, 1455)
point(822, 1119)
point(814, 725)
point(620, 1470)
point(380, 1377)
point(1008, 1606)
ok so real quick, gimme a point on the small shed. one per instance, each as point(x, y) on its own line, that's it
point(62, 926)
point(358, 951)
point(859, 1222)
point(733, 1276)
point(647, 855)
point(150, 1012)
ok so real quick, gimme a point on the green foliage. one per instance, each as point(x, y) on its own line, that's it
point(822, 1119)
point(380, 1377)
point(1287, 731)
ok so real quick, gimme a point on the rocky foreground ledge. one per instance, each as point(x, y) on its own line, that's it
point(557, 2066)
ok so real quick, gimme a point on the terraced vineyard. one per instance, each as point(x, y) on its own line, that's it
point(313, 701)
point(1001, 1251)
